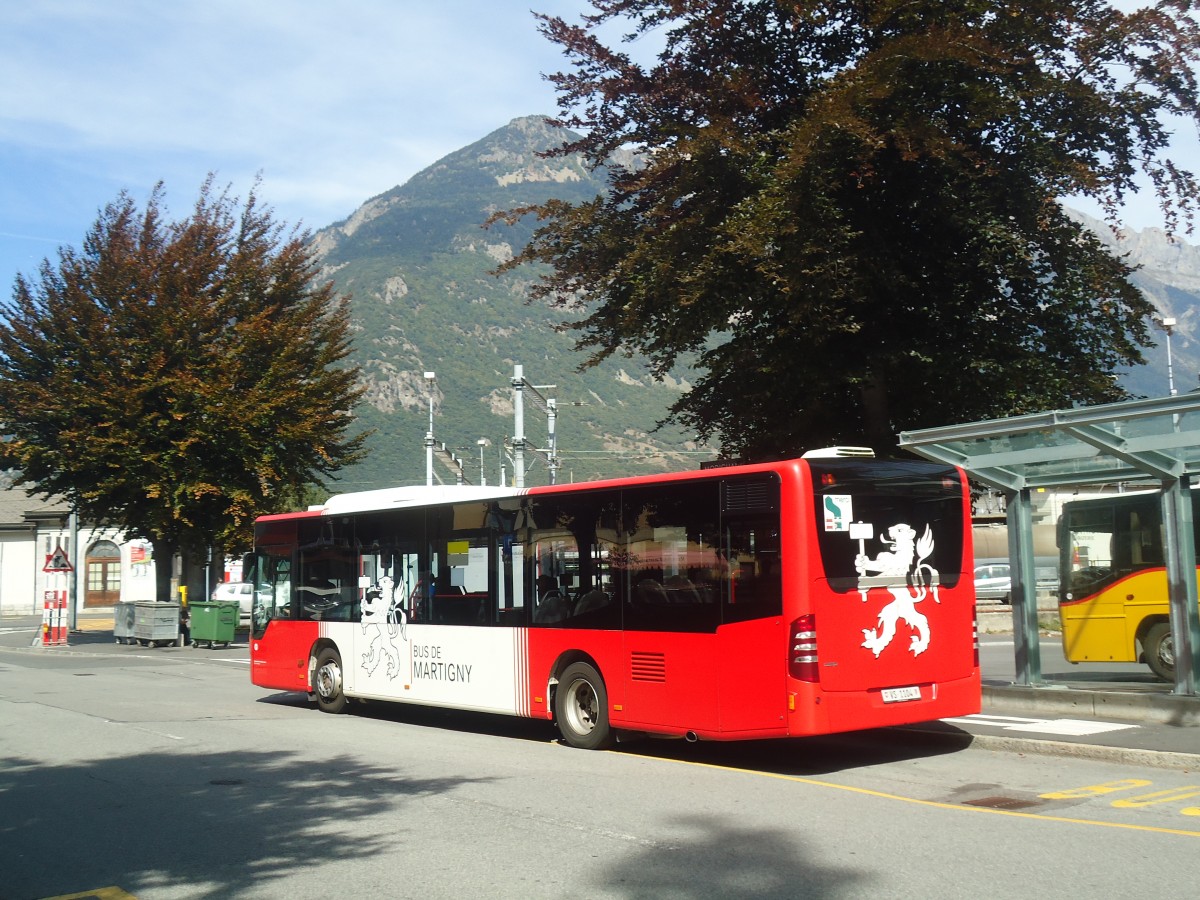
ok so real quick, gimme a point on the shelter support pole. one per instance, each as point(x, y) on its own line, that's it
point(73, 576)
point(1181, 582)
point(1024, 593)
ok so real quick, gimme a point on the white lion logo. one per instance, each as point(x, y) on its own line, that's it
point(381, 610)
point(904, 560)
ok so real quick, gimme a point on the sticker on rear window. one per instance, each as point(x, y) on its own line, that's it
point(838, 512)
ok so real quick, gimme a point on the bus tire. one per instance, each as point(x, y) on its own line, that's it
point(1159, 649)
point(327, 682)
point(581, 708)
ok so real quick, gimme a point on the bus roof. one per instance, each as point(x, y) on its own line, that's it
point(429, 495)
point(420, 495)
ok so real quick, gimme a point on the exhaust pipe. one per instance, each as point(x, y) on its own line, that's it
point(691, 737)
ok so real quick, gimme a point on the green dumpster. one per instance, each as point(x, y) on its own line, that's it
point(213, 623)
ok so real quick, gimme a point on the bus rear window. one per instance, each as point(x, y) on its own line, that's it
point(881, 510)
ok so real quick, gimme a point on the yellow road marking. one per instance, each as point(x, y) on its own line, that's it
point(107, 893)
point(935, 804)
point(1095, 790)
point(1183, 793)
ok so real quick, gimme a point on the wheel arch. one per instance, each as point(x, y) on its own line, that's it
point(565, 659)
point(1143, 629)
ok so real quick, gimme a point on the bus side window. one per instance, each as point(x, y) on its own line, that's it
point(1145, 541)
point(568, 564)
point(756, 585)
point(673, 559)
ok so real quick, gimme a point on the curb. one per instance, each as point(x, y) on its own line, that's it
point(1161, 709)
point(1154, 759)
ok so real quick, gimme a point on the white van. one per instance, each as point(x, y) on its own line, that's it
point(240, 591)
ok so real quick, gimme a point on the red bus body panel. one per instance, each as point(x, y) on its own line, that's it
point(285, 666)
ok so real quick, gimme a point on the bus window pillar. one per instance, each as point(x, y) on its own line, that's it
point(1024, 594)
point(1181, 582)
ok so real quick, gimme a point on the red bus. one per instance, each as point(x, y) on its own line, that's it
point(809, 596)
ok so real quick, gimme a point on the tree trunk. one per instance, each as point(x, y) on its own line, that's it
point(877, 422)
point(164, 570)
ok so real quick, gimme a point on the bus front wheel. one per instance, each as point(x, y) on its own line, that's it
point(327, 682)
point(1160, 651)
point(581, 708)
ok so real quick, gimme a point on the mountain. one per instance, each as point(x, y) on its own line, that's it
point(1168, 273)
point(416, 261)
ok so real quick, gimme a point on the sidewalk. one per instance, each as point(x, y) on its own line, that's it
point(1106, 722)
point(1135, 723)
point(97, 620)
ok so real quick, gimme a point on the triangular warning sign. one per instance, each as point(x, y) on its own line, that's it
point(57, 561)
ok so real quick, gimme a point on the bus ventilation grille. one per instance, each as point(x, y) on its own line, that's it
point(749, 496)
point(649, 667)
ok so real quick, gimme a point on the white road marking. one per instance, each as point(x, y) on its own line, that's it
point(1066, 727)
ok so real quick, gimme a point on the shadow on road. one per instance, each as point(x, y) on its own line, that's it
point(210, 825)
point(782, 756)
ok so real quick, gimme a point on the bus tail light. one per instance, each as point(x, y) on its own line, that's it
point(802, 656)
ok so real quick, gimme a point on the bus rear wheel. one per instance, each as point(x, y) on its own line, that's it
point(1159, 648)
point(327, 682)
point(581, 708)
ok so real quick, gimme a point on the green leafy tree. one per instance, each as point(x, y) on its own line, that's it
point(849, 212)
point(177, 379)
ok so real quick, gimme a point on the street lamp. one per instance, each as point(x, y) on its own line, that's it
point(1167, 325)
point(482, 442)
point(430, 378)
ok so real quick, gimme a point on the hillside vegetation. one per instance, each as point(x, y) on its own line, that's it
point(417, 259)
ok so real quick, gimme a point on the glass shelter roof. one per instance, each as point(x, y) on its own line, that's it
point(1153, 441)
point(1135, 440)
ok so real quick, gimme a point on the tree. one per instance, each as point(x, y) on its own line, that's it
point(849, 212)
point(177, 379)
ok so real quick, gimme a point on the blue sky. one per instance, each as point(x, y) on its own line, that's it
point(332, 103)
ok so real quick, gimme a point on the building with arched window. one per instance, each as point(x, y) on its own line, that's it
point(108, 566)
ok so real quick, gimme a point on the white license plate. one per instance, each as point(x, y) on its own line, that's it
point(896, 695)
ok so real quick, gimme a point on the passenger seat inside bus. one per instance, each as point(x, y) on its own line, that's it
point(552, 605)
point(592, 600)
point(650, 593)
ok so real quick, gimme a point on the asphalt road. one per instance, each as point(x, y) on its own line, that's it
point(162, 773)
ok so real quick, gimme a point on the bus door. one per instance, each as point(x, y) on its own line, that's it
point(388, 588)
point(753, 636)
point(1092, 613)
point(672, 600)
point(273, 609)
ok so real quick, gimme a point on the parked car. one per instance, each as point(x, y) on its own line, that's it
point(993, 578)
point(240, 591)
point(993, 582)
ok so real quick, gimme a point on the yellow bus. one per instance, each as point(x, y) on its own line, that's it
point(1113, 599)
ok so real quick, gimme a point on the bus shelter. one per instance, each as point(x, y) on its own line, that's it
point(1148, 443)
